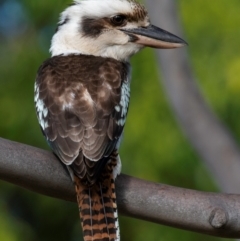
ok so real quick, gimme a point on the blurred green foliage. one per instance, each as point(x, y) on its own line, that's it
point(154, 148)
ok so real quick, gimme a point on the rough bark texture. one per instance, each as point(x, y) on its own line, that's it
point(209, 213)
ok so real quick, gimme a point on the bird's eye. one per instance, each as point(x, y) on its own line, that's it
point(118, 20)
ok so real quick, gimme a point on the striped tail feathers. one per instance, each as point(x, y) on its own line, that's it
point(98, 208)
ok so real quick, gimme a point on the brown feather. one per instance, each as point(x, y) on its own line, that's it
point(97, 206)
point(80, 93)
point(76, 102)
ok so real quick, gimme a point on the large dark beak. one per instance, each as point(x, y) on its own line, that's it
point(155, 37)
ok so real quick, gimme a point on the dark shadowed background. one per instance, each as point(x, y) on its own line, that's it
point(153, 148)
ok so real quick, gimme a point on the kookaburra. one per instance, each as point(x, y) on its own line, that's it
point(82, 96)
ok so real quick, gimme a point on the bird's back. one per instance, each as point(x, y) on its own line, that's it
point(80, 109)
point(78, 105)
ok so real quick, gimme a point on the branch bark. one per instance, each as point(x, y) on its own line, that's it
point(209, 213)
point(207, 134)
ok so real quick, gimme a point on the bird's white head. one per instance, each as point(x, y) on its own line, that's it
point(108, 28)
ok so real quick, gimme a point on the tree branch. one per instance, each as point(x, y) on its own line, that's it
point(207, 134)
point(209, 213)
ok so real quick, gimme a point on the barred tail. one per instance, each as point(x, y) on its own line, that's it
point(98, 210)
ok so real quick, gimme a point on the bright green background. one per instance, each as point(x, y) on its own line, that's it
point(154, 147)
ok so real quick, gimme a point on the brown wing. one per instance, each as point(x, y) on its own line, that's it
point(76, 98)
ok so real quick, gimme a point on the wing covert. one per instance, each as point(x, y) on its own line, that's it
point(79, 109)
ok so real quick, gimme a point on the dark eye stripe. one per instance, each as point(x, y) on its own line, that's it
point(92, 27)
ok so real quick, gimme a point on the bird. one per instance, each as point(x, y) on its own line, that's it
point(82, 94)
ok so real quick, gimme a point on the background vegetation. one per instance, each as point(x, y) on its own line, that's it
point(154, 148)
